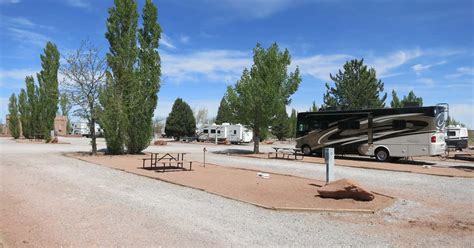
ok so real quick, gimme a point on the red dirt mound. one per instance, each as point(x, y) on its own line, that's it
point(343, 189)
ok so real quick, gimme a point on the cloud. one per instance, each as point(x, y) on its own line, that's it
point(9, 1)
point(14, 78)
point(20, 22)
point(215, 65)
point(426, 81)
point(383, 65)
point(78, 4)
point(320, 66)
point(166, 41)
point(28, 37)
point(462, 71)
point(184, 39)
point(165, 105)
point(463, 113)
point(418, 68)
point(256, 8)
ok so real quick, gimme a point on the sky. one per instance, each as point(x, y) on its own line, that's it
point(422, 45)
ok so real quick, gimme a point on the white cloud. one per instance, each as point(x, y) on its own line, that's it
point(255, 8)
point(78, 3)
point(15, 75)
point(463, 113)
point(462, 71)
point(418, 68)
point(9, 1)
point(426, 81)
point(320, 66)
point(184, 39)
point(28, 37)
point(166, 41)
point(165, 105)
point(383, 65)
point(216, 65)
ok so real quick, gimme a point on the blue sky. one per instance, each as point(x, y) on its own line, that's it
point(420, 45)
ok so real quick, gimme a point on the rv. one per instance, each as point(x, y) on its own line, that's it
point(232, 133)
point(386, 134)
point(82, 128)
point(456, 137)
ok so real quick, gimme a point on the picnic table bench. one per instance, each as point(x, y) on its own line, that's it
point(167, 159)
point(287, 152)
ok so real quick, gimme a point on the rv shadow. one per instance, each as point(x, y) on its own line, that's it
point(233, 151)
point(401, 161)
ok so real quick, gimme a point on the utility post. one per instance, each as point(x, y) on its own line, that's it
point(204, 151)
point(329, 159)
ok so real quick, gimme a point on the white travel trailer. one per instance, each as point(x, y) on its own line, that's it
point(457, 137)
point(225, 132)
point(385, 134)
point(82, 128)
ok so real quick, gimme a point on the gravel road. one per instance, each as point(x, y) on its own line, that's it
point(47, 199)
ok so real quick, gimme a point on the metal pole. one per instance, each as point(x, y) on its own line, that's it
point(204, 151)
point(329, 159)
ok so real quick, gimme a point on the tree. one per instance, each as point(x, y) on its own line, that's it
point(180, 121)
point(34, 107)
point(130, 95)
point(411, 99)
point(23, 108)
point(84, 77)
point(224, 113)
point(355, 88)
point(292, 124)
point(48, 88)
point(264, 90)
point(65, 106)
point(14, 121)
point(143, 100)
point(158, 125)
point(280, 125)
point(395, 103)
point(313, 108)
point(201, 116)
point(452, 122)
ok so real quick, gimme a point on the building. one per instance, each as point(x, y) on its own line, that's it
point(60, 126)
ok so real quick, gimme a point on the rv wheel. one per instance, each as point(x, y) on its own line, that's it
point(306, 150)
point(381, 154)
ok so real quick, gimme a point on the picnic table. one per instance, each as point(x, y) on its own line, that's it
point(287, 152)
point(169, 159)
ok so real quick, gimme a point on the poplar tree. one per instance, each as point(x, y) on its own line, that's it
point(13, 122)
point(48, 88)
point(144, 98)
point(32, 92)
point(117, 96)
point(280, 125)
point(23, 108)
point(263, 90)
point(180, 121)
point(356, 87)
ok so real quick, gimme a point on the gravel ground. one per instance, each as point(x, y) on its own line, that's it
point(51, 200)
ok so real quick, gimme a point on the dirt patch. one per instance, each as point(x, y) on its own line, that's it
point(280, 192)
point(33, 141)
point(366, 164)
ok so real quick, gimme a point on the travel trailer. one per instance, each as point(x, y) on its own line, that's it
point(385, 134)
point(225, 132)
point(82, 128)
point(456, 137)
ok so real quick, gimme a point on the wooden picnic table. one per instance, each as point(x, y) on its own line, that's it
point(288, 151)
point(167, 159)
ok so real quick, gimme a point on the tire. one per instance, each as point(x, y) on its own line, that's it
point(382, 155)
point(306, 150)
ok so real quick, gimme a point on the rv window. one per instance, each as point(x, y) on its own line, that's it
point(348, 125)
point(235, 131)
point(213, 131)
point(218, 131)
point(205, 131)
point(451, 133)
point(399, 124)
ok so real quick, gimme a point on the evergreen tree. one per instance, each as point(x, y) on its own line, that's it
point(14, 121)
point(395, 103)
point(412, 99)
point(292, 124)
point(48, 88)
point(263, 90)
point(280, 125)
point(313, 108)
point(224, 113)
point(180, 121)
point(23, 108)
point(357, 87)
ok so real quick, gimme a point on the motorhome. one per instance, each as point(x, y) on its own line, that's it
point(226, 132)
point(457, 137)
point(385, 134)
